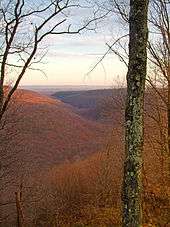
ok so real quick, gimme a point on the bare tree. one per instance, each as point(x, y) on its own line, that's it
point(20, 45)
point(23, 29)
point(20, 216)
point(136, 76)
point(159, 49)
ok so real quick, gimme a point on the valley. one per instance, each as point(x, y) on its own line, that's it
point(72, 140)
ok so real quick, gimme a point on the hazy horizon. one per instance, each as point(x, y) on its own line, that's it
point(50, 89)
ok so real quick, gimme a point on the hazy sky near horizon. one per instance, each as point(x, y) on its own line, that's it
point(69, 58)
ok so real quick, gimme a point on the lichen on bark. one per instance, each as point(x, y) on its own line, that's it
point(132, 181)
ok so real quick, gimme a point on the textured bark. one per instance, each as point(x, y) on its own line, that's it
point(168, 113)
point(20, 216)
point(168, 75)
point(132, 182)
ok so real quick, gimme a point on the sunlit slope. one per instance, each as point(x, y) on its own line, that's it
point(45, 131)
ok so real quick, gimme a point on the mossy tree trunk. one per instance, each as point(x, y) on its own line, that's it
point(136, 76)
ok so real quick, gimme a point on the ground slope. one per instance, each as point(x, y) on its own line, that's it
point(45, 131)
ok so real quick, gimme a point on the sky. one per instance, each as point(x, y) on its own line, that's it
point(69, 58)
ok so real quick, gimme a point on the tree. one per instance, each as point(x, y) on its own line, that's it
point(136, 76)
point(19, 47)
point(159, 49)
point(23, 28)
point(158, 75)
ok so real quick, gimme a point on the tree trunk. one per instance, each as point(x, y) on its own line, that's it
point(168, 116)
point(168, 113)
point(1, 100)
point(20, 216)
point(136, 76)
point(166, 38)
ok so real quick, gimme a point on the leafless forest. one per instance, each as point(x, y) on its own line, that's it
point(97, 157)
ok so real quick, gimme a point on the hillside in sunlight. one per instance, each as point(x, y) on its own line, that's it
point(70, 155)
point(107, 106)
point(44, 131)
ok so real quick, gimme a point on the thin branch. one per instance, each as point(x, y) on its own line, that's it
point(106, 53)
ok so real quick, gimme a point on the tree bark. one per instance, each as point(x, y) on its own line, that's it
point(168, 116)
point(136, 76)
point(20, 216)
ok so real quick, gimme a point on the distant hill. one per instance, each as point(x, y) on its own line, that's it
point(83, 99)
point(107, 106)
point(48, 90)
point(94, 104)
